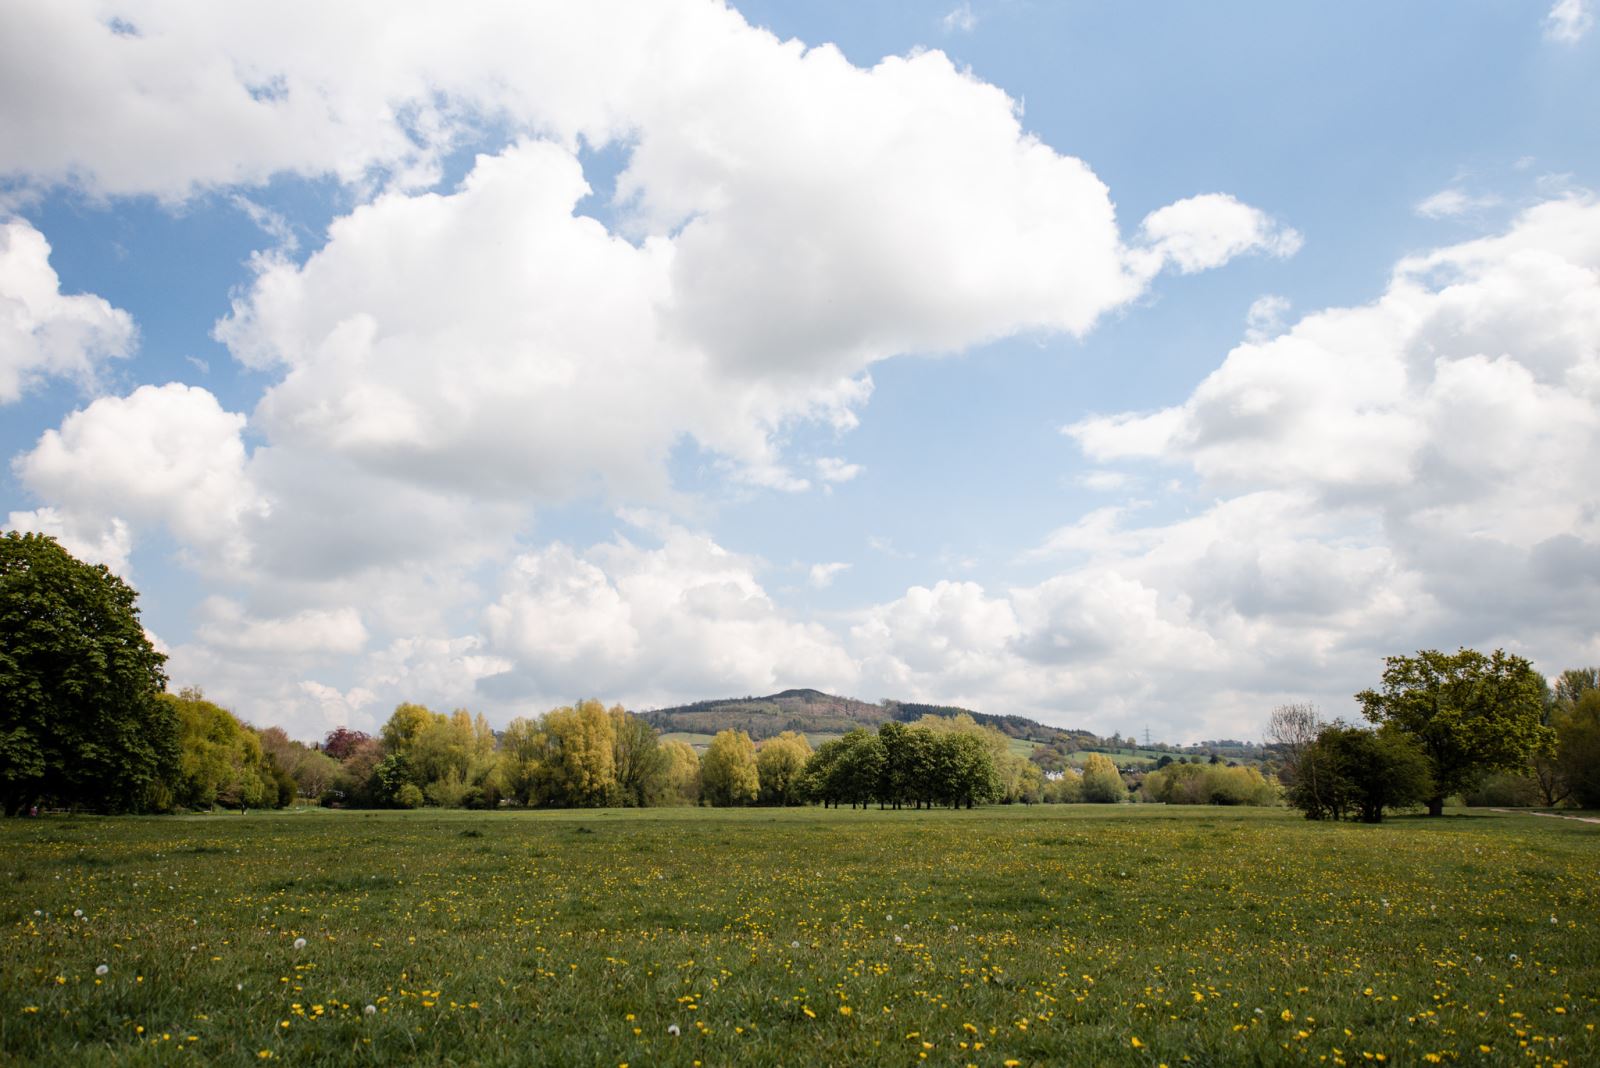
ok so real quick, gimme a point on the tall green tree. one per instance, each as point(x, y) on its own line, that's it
point(638, 762)
point(1578, 748)
point(1470, 713)
point(81, 722)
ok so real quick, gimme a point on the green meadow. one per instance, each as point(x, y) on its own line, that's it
point(1136, 935)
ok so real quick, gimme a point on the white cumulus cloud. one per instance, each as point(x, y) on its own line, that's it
point(44, 332)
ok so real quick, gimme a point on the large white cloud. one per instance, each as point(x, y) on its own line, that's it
point(162, 456)
point(658, 623)
point(43, 332)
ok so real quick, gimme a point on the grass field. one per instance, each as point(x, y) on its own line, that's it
point(1132, 935)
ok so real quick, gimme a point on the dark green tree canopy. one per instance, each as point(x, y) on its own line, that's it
point(80, 719)
point(1470, 713)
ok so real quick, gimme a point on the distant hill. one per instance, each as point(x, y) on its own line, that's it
point(815, 712)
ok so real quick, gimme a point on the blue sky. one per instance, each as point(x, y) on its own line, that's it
point(1116, 365)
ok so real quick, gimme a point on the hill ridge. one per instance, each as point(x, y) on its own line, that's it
point(813, 711)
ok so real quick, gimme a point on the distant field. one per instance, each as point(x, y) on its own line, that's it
point(1134, 935)
point(1120, 759)
point(699, 741)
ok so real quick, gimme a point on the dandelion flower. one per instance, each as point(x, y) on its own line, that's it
point(1136, 1043)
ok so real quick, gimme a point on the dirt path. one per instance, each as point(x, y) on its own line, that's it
point(1548, 815)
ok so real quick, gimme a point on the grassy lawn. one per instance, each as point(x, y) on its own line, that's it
point(1132, 935)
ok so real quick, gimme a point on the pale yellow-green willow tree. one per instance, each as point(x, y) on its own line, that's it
point(728, 774)
point(780, 765)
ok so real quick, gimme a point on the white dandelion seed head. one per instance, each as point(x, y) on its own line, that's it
point(794, 945)
point(77, 914)
point(672, 1029)
point(897, 940)
point(370, 1010)
point(299, 943)
point(102, 969)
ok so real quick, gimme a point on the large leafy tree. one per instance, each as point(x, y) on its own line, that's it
point(221, 761)
point(81, 722)
point(780, 763)
point(1577, 724)
point(728, 773)
point(1470, 713)
point(1359, 774)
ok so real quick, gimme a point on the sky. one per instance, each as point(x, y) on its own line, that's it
point(1132, 367)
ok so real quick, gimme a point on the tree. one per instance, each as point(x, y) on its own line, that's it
point(1361, 773)
point(680, 775)
point(1470, 713)
point(858, 772)
point(220, 760)
point(1102, 782)
point(342, 741)
point(1290, 729)
point(728, 773)
point(639, 764)
point(1578, 748)
point(80, 719)
point(575, 757)
point(964, 770)
point(780, 763)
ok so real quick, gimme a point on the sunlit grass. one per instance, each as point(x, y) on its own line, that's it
point(1083, 935)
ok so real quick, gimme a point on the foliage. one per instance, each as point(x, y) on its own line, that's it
point(1102, 782)
point(728, 774)
point(780, 764)
point(342, 741)
point(220, 761)
point(938, 762)
point(1208, 784)
point(680, 774)
point(81, 722)
point(1470, 713)
point(312, 770)
point(637, 760)
point(1352, 773)
point(1578, 752)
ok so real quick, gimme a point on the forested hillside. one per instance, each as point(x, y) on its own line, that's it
point(814, 712)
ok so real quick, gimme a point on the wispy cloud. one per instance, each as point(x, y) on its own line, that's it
point(822, 575)
point(1448, 203)
point(961, 19)
point(1569, 20)
point(1264, 320)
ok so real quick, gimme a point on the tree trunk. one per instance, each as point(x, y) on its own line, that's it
point(1436, 806)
